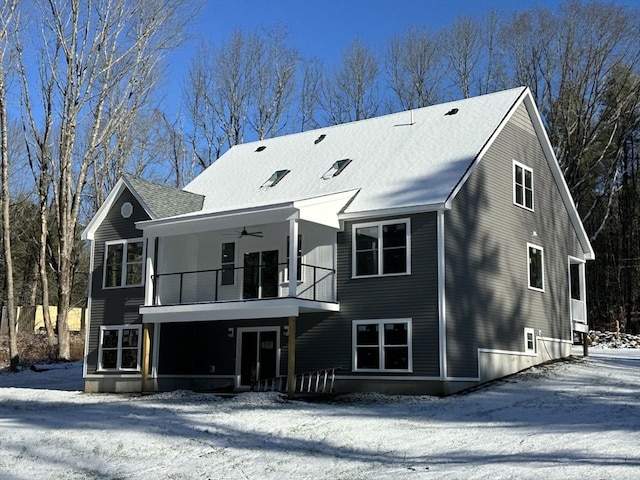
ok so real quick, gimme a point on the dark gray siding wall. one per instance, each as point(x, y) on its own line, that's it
point(488, 302)
point(113, 306)
point(326, 340)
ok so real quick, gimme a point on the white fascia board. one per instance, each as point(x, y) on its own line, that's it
point(388, 212)
point(254, 309)
point(589, 253)
point(90, 230)
point(218, 220)
point(486, 147)
point(324, 210)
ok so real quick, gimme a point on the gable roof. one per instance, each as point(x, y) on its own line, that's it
point(416, 160)
point(407, 159)
point(158, 201)
point(162, 201)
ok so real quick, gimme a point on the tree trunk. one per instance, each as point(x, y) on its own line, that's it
point(6, 223)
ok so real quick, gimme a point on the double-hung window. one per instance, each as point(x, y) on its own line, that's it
point(522, 186)
point(123, 263)
point(535, 257)
point(382, 345)
point(119, 348)
point(382, 248)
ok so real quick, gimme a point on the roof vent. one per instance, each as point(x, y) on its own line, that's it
point(336, 169)
point(260, 148)
point(319, 139)
point(275, 178)
point(453, 111)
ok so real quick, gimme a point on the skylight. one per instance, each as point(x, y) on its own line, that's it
point(319, 139)
point(336, 169)
point(260, 148)
point(275, 178)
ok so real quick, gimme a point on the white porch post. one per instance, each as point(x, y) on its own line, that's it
point(149, 270)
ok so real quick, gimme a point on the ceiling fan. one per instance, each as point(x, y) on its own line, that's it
point(244, 233)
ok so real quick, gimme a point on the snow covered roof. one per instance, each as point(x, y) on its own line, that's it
point(408, 159)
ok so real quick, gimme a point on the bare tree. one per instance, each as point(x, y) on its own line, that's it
point(274, 84)
point(463, 44)
point(414, 67)
point(7, 17)
point(310, 87)
point(351, 92)
point(218, 92)
point(568, 59)
point(98, 65)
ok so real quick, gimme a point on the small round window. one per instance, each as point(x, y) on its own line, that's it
point(126, 210)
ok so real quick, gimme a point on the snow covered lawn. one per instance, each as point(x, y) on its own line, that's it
point(578, 419)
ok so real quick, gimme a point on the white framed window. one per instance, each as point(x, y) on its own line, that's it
point(522, 186)
point(382, 345)
point(535, 267)
point(381, 248)
point(124, 263)
point(529, 340)
point(119, 348)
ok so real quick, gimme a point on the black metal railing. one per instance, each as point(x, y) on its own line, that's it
point(242, 283)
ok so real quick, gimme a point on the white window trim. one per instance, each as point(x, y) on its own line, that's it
point(513, 181)
point(118, 368)
point(532, 332)
point(124, 243)
point(407, 222)
point(380, 323)
point(537, 247)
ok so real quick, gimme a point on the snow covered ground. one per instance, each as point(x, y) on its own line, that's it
point(577, 419)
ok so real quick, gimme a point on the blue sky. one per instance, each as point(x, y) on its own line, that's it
point(324, 28)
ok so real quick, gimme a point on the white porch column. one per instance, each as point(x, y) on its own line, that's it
point(293, 257)
point(149, 270)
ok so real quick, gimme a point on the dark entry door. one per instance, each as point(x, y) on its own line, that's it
point(259, 356)
point(260, 274)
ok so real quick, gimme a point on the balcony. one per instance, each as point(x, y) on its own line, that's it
point(255, 291)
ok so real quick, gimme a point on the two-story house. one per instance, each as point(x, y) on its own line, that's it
point(424, 252)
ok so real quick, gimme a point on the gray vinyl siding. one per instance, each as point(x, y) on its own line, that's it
point(113, 306)
point(488, 302)
point(326, 340)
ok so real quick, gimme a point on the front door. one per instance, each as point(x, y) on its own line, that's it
point(258, 356)
point(260, 274)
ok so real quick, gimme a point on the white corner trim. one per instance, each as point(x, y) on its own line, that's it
point(442, 310)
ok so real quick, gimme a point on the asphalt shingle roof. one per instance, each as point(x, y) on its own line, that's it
point(410, 158)
point(163, 201)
